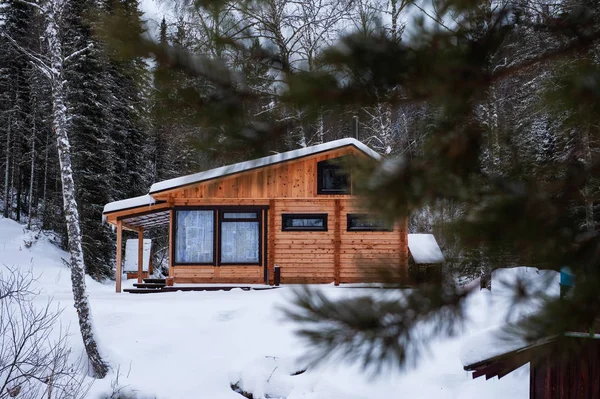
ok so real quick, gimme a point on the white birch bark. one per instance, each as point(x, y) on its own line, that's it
point(51, 11)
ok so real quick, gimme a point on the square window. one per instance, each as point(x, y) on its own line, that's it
point(240, 242)
point(332, 178)
point(240, 237)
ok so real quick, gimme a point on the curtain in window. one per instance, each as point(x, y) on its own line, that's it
point(194, 237)
point(239, 242)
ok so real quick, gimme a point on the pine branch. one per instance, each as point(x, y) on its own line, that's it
point(392, 328)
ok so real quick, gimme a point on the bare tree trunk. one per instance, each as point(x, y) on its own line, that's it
point(60, 126)
point(7, 168)
point(11, 186)
point(32, 174)
point(18, 190)
point(44, 194)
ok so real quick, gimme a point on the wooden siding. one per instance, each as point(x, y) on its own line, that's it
point(568, 374)
point(310, 256)
point(371, 255)
point(293, 179)
point(304, 256)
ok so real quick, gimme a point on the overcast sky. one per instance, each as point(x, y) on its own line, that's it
point(154, 10)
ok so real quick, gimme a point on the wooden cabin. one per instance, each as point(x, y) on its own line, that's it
point(296, 210)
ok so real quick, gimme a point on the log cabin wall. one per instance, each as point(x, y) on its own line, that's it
point(304, 256)
point(570, 373)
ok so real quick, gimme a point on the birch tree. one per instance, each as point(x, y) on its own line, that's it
point(51, 65)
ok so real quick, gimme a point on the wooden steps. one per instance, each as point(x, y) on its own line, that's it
point(155, 281)
point(155, 285)
point(149, 285)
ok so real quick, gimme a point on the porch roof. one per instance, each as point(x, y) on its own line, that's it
point(147, 220)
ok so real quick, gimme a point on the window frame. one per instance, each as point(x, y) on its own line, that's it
point(350, 216)
point(174, 233)
point(218, 212)
point(330, 164)
point(222, 218)
point(286, 216)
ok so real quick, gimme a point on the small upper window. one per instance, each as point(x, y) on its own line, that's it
point(239, 215)
point(304, 222)
point(363, 222)
point(332, 178)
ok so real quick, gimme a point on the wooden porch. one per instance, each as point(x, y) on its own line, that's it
point(156, 285)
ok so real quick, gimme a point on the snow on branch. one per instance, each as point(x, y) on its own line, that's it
point(78, 52)
point(36, 61)
point(35, 5)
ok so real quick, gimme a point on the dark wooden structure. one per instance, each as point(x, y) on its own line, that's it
point(307, 218)
point(560, 368)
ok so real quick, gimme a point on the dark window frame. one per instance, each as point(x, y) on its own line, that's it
point(330, 164)
point(286, 216)
point(257, 219)
point(351, 216)
point(174, 233)
point(218, 212)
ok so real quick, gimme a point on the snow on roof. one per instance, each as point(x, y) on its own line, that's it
point(131, 255)
point(260, 162)
point(489, 344)
point(424, 249)
point(129, 203)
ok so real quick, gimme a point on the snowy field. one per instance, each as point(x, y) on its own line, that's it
point(197, 344)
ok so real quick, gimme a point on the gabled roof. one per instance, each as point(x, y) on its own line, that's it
point(424, 249)
point(259, 163)
point(223, 171)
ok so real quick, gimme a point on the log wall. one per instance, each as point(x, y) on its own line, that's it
point(571, 373)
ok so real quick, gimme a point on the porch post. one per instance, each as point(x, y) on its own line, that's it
point(140, 254)
point(337, 242)
point(119, 245)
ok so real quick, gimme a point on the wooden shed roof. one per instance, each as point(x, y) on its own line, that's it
point(505, 363)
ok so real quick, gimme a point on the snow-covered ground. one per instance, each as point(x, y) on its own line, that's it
point(196, 344)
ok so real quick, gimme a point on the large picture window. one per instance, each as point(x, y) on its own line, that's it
point(217, 236)
point(195, 237)
point(332, 178)
point(240, 238)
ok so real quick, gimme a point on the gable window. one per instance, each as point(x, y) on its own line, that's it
point(240, 238)
point(304, 222)
point(195, 236)
point(364, 222)
point(332, 178)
